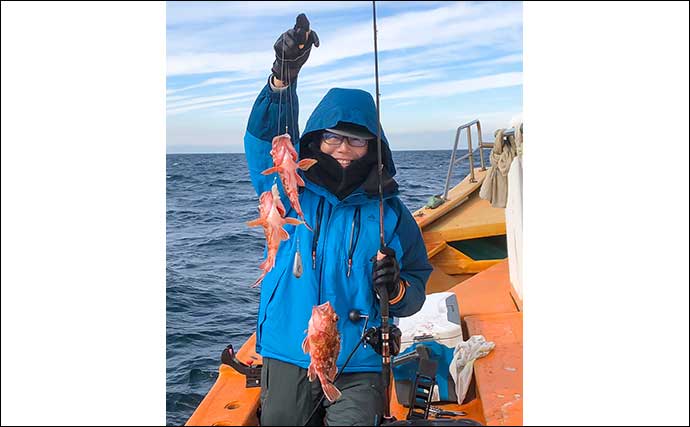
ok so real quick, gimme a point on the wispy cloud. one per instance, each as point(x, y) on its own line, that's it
point(172, 111)
point(508, 59)
point(236, 111)
point(205, 99)
point(180, 13)
point(204, 63)
point(437, 27)
point(430, 55)
point(454, 87)
point(209, 82)
point(387, 79)
point(472, 22)
point(210, 101)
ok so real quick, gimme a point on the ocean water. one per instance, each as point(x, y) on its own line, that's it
point(212, 259)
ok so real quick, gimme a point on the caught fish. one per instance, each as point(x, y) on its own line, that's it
point(323, 345)
point(272, 219)
point(286, 165)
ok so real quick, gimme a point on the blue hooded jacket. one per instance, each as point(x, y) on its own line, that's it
point(337, 255)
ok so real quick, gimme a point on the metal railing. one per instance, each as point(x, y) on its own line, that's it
point(481, 146)
point(470, 152)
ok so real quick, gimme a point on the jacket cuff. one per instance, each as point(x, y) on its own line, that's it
point(276, 89)
point(401, 293)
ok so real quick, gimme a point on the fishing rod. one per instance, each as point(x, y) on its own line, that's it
point(382, 291)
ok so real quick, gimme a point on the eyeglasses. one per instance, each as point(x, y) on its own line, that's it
point(335, 139)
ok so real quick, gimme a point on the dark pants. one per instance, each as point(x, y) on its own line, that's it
point(287, 397)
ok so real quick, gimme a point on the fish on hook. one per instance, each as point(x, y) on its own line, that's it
point(285, 164)
point(272, 219)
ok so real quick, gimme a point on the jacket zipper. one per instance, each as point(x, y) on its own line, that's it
point(354, 237)
point(317, 231)
point(325, 245)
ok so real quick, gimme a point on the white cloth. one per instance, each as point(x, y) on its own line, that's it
point(514, 224)
point(461, 366)
point(495, 185)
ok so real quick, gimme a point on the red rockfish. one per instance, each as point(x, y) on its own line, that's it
point(285, 163)
point(323, 344)
point(272, 218)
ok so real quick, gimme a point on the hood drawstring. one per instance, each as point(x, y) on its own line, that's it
point(354, 237)
point(317, 230)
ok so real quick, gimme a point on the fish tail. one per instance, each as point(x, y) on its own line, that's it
point(332, 393)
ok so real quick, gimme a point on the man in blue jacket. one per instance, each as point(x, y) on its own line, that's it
point(341, 204)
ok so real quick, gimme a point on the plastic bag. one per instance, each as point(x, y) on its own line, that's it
point(461, 366)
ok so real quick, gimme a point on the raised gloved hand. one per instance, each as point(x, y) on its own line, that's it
point(387, 273)
point(292, 50)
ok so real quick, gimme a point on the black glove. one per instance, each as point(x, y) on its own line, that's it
point(387, 273)
point(289, 57)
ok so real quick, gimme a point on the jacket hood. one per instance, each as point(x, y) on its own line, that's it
point(347, 106)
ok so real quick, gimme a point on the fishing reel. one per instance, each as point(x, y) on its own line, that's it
point(372, 336)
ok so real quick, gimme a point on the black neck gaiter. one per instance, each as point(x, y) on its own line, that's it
point(338, 180)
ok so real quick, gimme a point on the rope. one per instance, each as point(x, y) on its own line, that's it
point(282, 76)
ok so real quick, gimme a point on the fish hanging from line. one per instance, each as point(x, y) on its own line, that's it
point(322, 343)
point(285, 164)
point(272, 219)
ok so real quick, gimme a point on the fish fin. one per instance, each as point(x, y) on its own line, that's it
point(283, 234)
point(305, 345)
point(270, 170)
point(331, 373)
point(305, 223)
point(305, 164)
point(258, 281)
point(311, 373)
point(293, 221)
point(256, 222)
point(268, 264)
point(332, 393)
point(299, 180)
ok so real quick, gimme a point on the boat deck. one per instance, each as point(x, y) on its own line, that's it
point(476, 219)
point(487, 308)
point(499, 374)
point(456, 196)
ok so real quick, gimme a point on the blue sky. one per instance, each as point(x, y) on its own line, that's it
point(441, 64)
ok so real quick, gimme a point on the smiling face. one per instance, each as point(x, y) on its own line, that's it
point(344, 153)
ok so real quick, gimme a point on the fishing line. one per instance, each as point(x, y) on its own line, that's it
point(282, 76)
point(382, 290)
point(352, 353)
point(290, 107)
point(378, 132)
